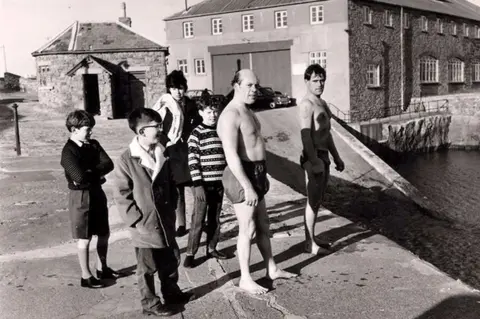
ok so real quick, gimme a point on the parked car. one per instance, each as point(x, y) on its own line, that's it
point(196, 95)
point(266, 98)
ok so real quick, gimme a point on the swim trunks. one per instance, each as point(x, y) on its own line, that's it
point(317, 185)
point(256, 173)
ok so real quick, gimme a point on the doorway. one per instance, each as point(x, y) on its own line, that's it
point(91, 95)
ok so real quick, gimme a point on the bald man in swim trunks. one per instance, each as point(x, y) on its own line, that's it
point(317, 143)
point(245, 178)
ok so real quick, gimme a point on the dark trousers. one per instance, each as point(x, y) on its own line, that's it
point(211, 207)
point(161, 260)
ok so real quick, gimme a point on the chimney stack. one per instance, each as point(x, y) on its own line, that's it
point(123, 18)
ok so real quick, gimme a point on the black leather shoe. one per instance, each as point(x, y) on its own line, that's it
point(188, 262)
point(181, 231)
point(91, 282)
point(180, 298)
point(216, 254)
point(108, 273)
point(160, 311)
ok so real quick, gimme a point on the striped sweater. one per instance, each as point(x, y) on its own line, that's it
point(206, 159)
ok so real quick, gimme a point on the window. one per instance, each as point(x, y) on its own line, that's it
point(217, 26)
point(188, 29)
point(247, 23)
point(439, 26)
point(319, 57)
point(373, 75)
point(367, 15)
point(316, 14)
point(182, 66)
point(455, 71)
point(199, 66)
point(43, 74)
point(476, 72)
point(424, 23)
point(281, 19)
point(454, 28)
point(388, 16)
point(466, 30)
point(406, 20)
point(428, 70)
point(477, 32)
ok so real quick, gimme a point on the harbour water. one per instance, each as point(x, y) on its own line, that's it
point(451, 178)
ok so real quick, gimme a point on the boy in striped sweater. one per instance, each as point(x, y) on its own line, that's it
point(206, 161)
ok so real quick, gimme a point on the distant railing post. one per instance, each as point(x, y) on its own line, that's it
point(17, 131)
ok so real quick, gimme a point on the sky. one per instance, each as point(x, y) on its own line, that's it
point(26, 25)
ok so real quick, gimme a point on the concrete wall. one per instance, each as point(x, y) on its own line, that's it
point(329, 36)
point(62, 91)
point(377, 43)
point(422, 134)
point(465, 124)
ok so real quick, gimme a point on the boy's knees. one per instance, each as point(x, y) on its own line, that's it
point(83, 243)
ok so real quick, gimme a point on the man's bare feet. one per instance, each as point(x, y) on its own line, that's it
point(314, 249)
point(279, 273)
point(252, 287)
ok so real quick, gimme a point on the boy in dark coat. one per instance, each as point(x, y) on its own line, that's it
point(86, 163)
point(146, 199)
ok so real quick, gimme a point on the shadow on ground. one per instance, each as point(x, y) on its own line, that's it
point(455, 307)
point(449, 246)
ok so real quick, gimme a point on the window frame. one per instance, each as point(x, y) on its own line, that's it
point(476, 72)
point(374, 69)
point(440, 29)
point(454, 28)
point(186, 29)
point(367, 15)
point(466, 30)
point(318, 57)
point(319, 8)
point(218, 26)
point(424, 23)
point(429, 75)
point(388, 18)
point(196, 66)
point(283, 19)
point(458, 65)
point(182, 66)
point(249, 19)
point(406, 20)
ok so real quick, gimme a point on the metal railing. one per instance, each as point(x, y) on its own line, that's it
point(339, 114)
point(414, 110)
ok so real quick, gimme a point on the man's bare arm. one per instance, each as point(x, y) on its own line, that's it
point(228, 129)
point(306, 130)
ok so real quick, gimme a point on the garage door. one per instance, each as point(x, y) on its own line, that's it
point(273, 69)
point(269, 60)
point(224, 68)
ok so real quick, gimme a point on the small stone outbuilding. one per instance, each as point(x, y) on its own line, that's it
point(105, 68)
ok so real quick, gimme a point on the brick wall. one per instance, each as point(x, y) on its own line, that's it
point(65, 92)
point(380, 45)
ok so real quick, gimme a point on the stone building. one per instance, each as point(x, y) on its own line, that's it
point(379, 54)
point(105, 68)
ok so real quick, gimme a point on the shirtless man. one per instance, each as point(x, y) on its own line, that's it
point(245, 178)
point(317, 143)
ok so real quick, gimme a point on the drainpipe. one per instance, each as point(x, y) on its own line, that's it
point(402, 60)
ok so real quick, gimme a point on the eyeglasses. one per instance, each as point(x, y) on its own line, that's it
point(157, 126)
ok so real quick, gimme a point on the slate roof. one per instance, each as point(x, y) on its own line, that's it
point(95, 37)
point(458, 8)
